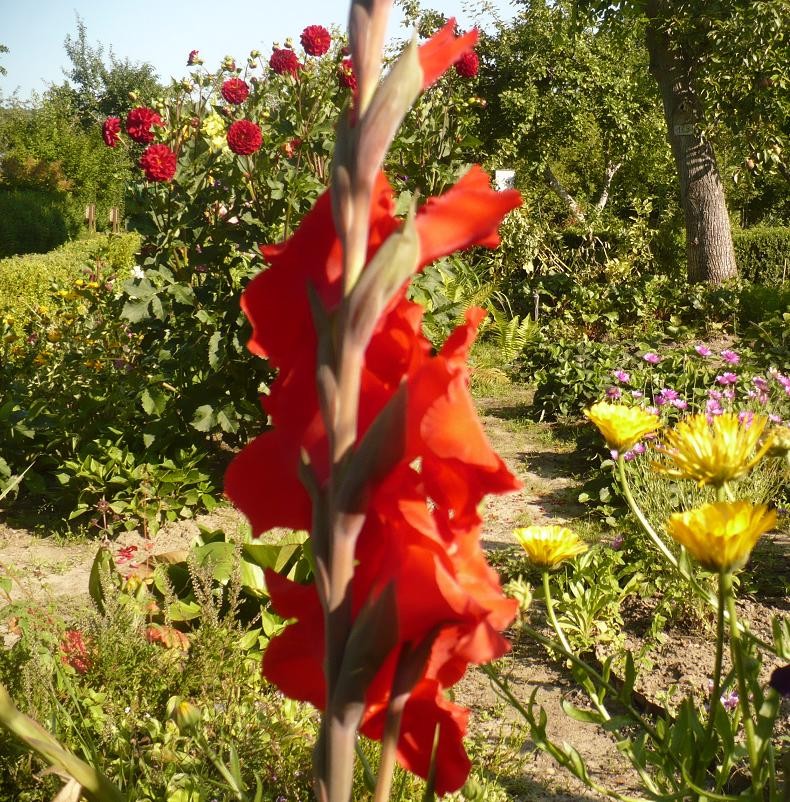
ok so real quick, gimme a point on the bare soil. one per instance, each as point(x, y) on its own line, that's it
point(43, 568)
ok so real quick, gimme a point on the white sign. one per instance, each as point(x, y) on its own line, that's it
point(504, 179)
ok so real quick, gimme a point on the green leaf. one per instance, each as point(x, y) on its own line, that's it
point(154, 401)
point(204, 418)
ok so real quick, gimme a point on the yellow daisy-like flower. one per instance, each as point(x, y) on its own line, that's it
point(713, 452)
point(721, 536)
point(548, 546)
point(622, 426)
point(215, 131)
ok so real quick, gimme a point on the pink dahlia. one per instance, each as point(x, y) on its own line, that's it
point(468, 65)
point(235, 91)
point(140, 122)
point(158, 162)
point(315, 40)
point(284, 60)
point(110, 131)
point(244, 137)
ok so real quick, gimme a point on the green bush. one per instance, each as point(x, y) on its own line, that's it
point(34, 221)
point(763, 254)
point(26, 281)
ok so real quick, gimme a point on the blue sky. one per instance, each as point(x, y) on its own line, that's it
point(162, 32)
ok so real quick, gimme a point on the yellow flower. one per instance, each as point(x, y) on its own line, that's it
point(622, 426)
point(215, 131)
point(548, 546)
point(53, 335)
point(721, 536)
point(40, 359)
point(713, 453)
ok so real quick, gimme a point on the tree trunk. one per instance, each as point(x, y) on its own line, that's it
point(709, 253)
point(609, 174)
point(561, 192)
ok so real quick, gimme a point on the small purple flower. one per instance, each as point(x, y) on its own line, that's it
point(713, 407)
point(652, 410)
point(730, 356)
point(622, 376)
point(775, 418)
point(615, 454)
point(617, 542)
point(715, 394)
point(628, 456)
point(760, 383)
point(639, 448)
point(666, 396)
point(745, 418)
point(637, 394)
point(730, 701)
point(729, 394)
point(651, 358)
point(703, 350)
point(680, 403)
point(727, 378)
point(613, 393)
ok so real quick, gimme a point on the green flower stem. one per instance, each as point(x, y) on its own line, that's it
point(736, 649)
point(640, 516)
point(550, 612)
point(716, 692)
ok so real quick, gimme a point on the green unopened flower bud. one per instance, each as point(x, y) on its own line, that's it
point(187, 85)
point(255, 54)
point(183, 713)
point(289, 42)
point(134, 96)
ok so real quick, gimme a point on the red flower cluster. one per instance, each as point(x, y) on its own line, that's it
point(315, 40)
point(235, 91)
point(422, 527)
point(244, 137)
point(110, 131)
point(346, 76)
point(291, 147)
point(468, 65)
point(158, 162)
point(284, 61)
point(140, 122)
point(74, 652)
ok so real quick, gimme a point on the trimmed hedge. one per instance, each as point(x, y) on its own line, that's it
point(763, 254)
point(26, 281)
point(35, 222)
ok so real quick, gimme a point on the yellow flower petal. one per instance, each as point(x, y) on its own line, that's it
point(721, 536)
point(548, 546)
point(622, 426)
point(713, 452)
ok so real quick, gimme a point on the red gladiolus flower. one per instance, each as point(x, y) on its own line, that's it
point(315, 40)
point(422, 527)
point(244, 137)
point(139, 124)
point(468, 65)
point(74, 652)
point(284, 61)
point(110, 131)
point(235, 91)
point(158, 162)
point(345, 75)
point(442, 50)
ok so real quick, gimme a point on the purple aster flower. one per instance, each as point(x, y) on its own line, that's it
point(730, 356)
point(729, 394)
point(622, 376)
point(613, 393)
point(639, 448)
point(715, 394)
point(637, 394)
point(760, 383)
point(617, 542)
point(775, 418)
point(652, 410)
point(745, 417)
point(680, 403)
point(730, 700)
point(628, 456)
point(713, 407)
point(727, 378)
point(703, 350)
point(665, 396)
point(652, 358)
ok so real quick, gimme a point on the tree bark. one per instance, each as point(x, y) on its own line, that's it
point(561, 192)
point(709, 252)
point(609, 174)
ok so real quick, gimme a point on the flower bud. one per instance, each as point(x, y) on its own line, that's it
point(289, 43)
point(134, 96)
point(183, 713)
point(255, 54)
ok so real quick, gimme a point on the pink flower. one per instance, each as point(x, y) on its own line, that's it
point(730, 356)
point(613, 393)
point(666, 396)
point(703, 350)
point(651, 358)
point(622, 376)
point(760, 383)
point(745, 417)
point(639, 448)
point(679, 403)
point(637, 394)
point(713, 407)
point(775, 418)
point(727, 378)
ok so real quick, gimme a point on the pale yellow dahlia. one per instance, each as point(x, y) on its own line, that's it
point(622, 426)
point(548, 546)
point(720, 536)
point(713, 452)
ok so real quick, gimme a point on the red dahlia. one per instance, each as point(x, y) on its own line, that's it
point(284, 61)
point(235, 91)
point(468, 65)
point(158, 162)
point(139, 124)
point(110, 131)
point(346, 76)
point(315, 40)
point(244, 137)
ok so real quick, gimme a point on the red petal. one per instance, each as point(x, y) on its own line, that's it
point(262, 481)
point(442, 50)
point(467, 214)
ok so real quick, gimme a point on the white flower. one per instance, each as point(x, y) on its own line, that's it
point(138, 272)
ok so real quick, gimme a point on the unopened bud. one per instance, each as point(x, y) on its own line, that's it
point(184, 713)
